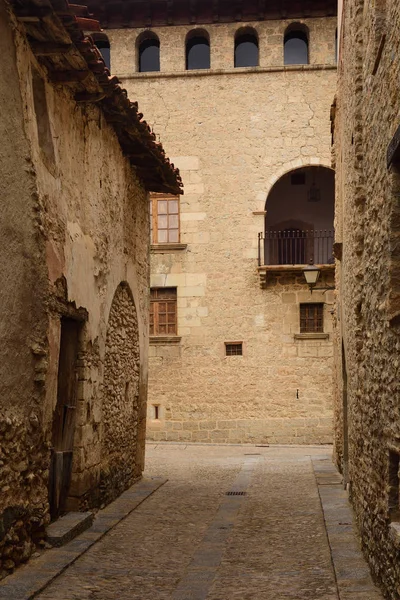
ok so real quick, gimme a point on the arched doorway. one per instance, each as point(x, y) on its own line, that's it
point(120, 409)
point(299, 218)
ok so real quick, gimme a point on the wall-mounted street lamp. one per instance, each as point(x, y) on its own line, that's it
point(311, 274)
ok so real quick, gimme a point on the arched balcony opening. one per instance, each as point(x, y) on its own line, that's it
point(299, 219)
point(103, 44)
point(148, 52)
point(198, 50)
point(296, 43)
point(246, 48)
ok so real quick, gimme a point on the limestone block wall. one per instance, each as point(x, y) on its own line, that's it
point(367, 319)
point(233, 133)
point(75, 229)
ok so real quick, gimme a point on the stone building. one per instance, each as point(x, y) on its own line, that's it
point(240, 92)
point(367, 223)
point(76, 164)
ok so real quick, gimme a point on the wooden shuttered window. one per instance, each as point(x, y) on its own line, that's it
point(164, 219)
point(163, 313)
point(311, 318)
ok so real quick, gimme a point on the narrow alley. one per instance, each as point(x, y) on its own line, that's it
point(230, 522)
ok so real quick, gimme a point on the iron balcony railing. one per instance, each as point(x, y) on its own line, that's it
point(295, 247)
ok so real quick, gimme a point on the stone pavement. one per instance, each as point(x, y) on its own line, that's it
point(231, 523)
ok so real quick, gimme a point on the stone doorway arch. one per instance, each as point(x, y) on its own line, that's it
point(120, 406)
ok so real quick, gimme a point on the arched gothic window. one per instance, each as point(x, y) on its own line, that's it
point(103, 44)
point(198, 50)
point(296, 45)
point(246, 48)
point(148, 52)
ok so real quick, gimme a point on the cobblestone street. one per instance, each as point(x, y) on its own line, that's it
point(189, 540)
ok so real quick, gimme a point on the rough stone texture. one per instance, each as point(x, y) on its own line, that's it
point(233, 133)
point(120, 398)
point(367, 327)
point(74, 225)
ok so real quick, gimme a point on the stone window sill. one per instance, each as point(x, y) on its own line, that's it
point(311, 336)
point(165, 339)
point(228, 71)
point(165, 248)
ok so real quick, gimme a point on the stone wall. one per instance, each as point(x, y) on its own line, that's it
point(233, 133)
point(120, 414)
point(74, 225)
point(367, 320)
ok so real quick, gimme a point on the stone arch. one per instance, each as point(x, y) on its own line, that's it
point(299, 217)
point(120, 406)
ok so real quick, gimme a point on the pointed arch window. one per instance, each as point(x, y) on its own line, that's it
point(198, 50)
point(148, 52)
point(296, 43)
point(246, 48)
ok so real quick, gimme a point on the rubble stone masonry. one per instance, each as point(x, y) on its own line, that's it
point(233, 133)
point(74, 236)
point(367, 400)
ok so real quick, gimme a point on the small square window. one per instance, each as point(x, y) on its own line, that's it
point(312, 318)
point(233, 348)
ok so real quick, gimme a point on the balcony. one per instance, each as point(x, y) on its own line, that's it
point(288, 251)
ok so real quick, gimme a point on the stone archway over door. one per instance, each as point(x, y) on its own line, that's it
point(120, 411)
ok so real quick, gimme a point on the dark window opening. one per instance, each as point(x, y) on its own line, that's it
point(105, 51)
point(296, 48)
point(149, 54)
point(234, 348)
point(163, 311)
point(156, 411)
point(394, 486)
point(311, 318)
point(198, 53)
point(246, 50)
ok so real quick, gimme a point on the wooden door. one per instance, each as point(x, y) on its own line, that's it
point(64, 417)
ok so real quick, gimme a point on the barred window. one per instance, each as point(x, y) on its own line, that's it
point(164, 219)
point(163, 311)
point(311, 318)
point(233, 348)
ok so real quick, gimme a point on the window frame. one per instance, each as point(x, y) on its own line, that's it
point(158, 296)
point(300, 32)
point(316, 319)
point(155, 198)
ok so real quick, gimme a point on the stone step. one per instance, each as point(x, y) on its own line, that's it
point(66, 528)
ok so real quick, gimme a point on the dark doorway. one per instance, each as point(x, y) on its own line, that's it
point(291, 247)
point(64, 417)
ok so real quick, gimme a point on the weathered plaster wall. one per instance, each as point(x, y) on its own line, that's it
point(74, 226)
point(367, 224)
point(23, 463)
point(233, 133)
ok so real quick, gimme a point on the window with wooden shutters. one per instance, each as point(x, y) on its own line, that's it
point(164, 218)
point(163, 313)
point(311, 318)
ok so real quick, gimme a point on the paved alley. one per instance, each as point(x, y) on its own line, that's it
point(231, 522)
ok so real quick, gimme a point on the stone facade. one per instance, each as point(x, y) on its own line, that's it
point(74, 283)
point(234, 133)
point(367, 319)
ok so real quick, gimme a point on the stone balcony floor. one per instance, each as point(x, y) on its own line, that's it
point(285, 533)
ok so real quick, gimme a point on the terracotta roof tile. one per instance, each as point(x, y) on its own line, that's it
point(55, 31)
